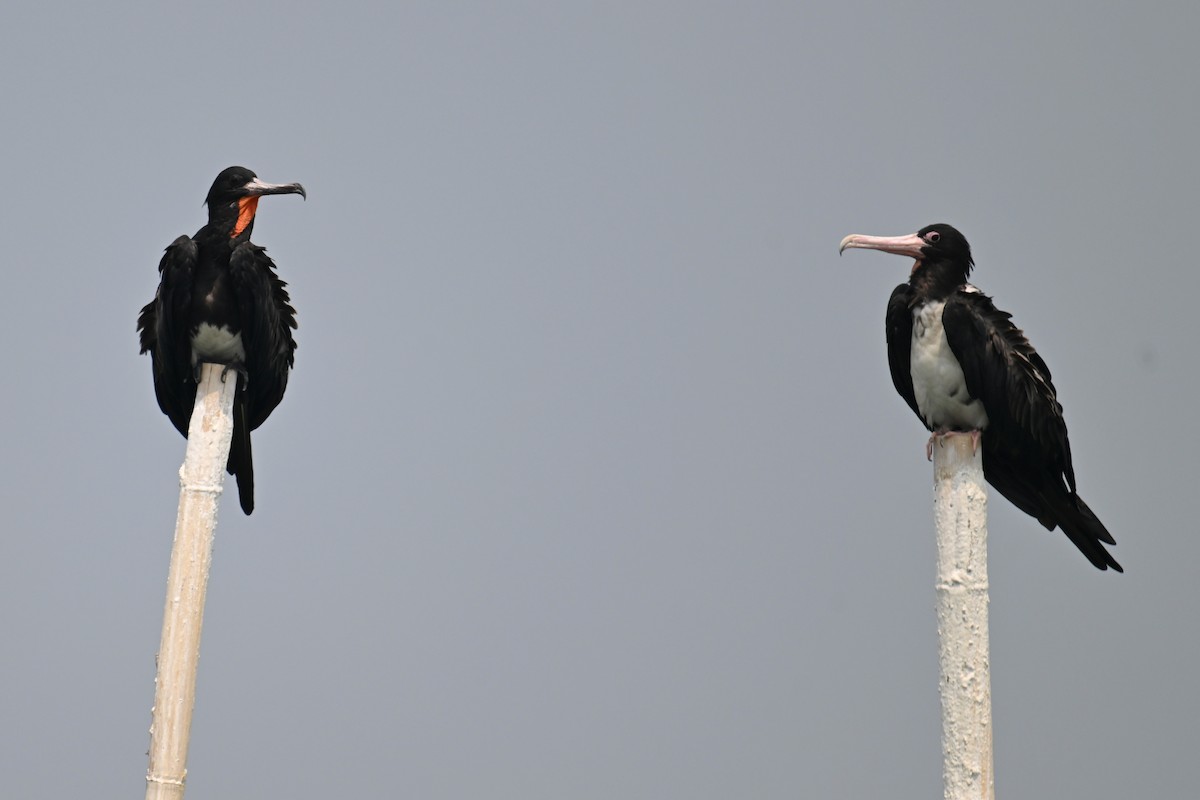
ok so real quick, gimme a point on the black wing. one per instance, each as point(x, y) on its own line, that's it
point(899, 324)
point(1005, 373)
point(267, 319)
point(1026, 453)
point(163, 324)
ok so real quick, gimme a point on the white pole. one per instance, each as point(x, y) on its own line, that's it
point(200, 481)
point(960, 514)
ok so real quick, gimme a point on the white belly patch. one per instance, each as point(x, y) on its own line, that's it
point(938, 382)
point(217, 345)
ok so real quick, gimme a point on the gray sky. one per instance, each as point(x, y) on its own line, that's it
point(590, 481)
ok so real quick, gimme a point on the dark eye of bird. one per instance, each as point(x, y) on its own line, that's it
point(933, 236)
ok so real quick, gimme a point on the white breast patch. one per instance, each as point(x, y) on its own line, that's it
point(217, 345)
point(938, 382)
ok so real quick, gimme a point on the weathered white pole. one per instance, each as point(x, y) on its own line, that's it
point(960, 513)
point(200, 481)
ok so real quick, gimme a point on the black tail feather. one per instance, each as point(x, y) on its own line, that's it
point(1046, 499)
point(241, 462)
point(1086, 531)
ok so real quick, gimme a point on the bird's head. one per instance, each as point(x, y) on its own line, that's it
point(942, 256)
point(233, 199)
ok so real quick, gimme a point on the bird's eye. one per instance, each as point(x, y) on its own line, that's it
point(933, 236)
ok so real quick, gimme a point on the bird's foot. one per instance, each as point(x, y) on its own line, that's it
point(933, 437)
point(239, 368)
point(938, 436)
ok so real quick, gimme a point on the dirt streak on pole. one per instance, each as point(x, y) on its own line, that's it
point(200, 480)
point(960, 513)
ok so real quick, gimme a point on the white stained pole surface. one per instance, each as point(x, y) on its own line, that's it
point(960, 514)
point(200, 481)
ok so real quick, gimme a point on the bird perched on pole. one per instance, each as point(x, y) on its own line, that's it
point(220, 301)
point(962, 366)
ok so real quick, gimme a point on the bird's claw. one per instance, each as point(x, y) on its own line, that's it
point(976, 438)
point(240, 369)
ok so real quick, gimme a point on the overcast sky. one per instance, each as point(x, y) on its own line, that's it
point(590, 481)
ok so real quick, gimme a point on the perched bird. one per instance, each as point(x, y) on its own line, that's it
point(220, 301)
point(961, 365)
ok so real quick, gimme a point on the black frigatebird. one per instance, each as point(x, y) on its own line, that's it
point(963, 366)
point(219, 300)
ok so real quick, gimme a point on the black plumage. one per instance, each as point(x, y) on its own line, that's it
point(219, 300)
point(962, 365)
